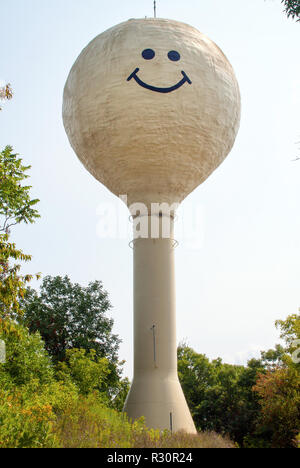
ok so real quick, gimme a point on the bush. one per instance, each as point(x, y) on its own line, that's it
point(25, 423)
point(28, 414)
point(85, 369)
point(29, 394)
point(26, 358)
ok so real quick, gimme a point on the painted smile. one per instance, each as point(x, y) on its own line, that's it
point(184, 80)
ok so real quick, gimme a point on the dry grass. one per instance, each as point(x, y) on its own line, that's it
point(182, 440)
point(88, 424)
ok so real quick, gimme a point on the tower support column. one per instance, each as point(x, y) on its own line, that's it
point(156, 392)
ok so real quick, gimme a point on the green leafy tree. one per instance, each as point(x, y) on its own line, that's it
point(16, 206)
point(290, 333)
point(287, 355)
point(273, 358)
point(219, 395)
point(196, 376)
point(292, 8)
point(279, 390)
point(71, 316)
point(12, 284)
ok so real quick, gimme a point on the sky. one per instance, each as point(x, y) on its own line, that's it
point(238, 259)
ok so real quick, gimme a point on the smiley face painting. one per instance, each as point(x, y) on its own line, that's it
point(149, 54)
point(151, 108)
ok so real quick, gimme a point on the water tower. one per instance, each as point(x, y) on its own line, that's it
point(152, 108)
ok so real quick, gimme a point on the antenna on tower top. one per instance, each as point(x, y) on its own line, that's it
point(154, 8)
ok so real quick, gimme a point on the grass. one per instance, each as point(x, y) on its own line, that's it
point(183, 440)
point(91, 425)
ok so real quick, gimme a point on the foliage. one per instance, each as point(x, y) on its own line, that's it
point(24, 423)
point(273, 358)
point(12, 284)
point(219, 395)
point(87, 423)
point(289, 354)
point(5, 93)
point(43, 406)
point(16, 205)
point(88, 372)
point(290, 333)
point(71, 316)
point(258, 405)
point(279, 393)
point(30, 396)
point(26, 358)
point(29, 413)
point(292, 8)
point(29, 420)
point(118, 399)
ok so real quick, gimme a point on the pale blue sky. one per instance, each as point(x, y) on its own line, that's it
point(247, 272)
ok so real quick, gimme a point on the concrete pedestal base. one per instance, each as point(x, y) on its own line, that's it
point(161, 401)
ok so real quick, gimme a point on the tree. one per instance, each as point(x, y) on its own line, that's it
point(290, 333)
point(219, 395)
point(71, 316)
point(5, 93)
point(278, 390)
point(292, 8)
point(279, 393)
point(196, 377)
point(16, 206)
point(12, 284)
point(273, 358)
point(289, 354)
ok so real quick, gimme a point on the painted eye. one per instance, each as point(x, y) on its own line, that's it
point(148, 54)
point(174, 56)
